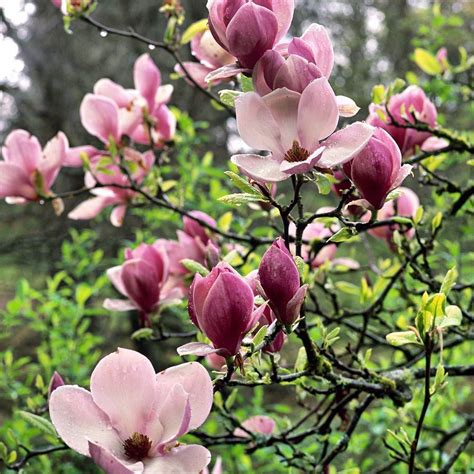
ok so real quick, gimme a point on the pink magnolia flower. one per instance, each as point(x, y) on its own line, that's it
point(55, 382)
point(113, 111)
point(221, 305)
point(298, 130)
point(402, 107)
point(404, 205)
point(28, 172)
point(257, 424)
point(143, 279)
point(111, 186)
point(280, 280)
point(296, 64)
point(130, 420)
point(377, 169)
point(247, 29)
point(211, 56)
point(194, 243)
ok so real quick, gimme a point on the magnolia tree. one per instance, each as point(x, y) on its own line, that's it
point(320, 285)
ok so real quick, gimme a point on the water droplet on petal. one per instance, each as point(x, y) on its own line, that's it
point(103, 33)
point(151, 47)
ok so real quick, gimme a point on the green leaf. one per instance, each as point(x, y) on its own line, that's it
point(38, 422)
point(243, 184)
point(247, 83)
point(260, 336)
point(193, 30)
point(436, 222)
point(401, 338)
point(402, 220)
point(378, 94)
point(427, 62)
point(239, 199)
point(346, 233)
point(324, 183)
point(225, 221)
point(228, 97)
point(418, 215)
point(449, 281)
point(83, 293)
point(452, 317)
point(229, 403)
point(301, 360)
point(301, 265)
point(194, 267)
point(144, 334)
point(440, 380)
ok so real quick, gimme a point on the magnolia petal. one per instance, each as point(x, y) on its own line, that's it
point(434, 144)
point(118, 214)
point(317, 37)
point(100, 117)
point(300, 167)
point(226, 72)
point(110, 463)
point(404, 172)
point(345, 144)
point(294, 305)
point(259, 168)
point(189, 459)
point(196, 348)
point(119, 305)
point(22, 149)
point(14, 182)
point(195, 380)
point(91, 208)
point(147, 79)
point(79, 420)
point(346, 106)
point(113, 91)
point(123, 386)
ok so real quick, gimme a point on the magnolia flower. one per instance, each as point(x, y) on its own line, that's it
point(217, 469)
point(221, 305)
point(247, 29)
point(28, 172)
point(405, 205)
point(211, 56)
point(143, 279)
point(297, 129)
point(280, 280)
point(256, 424)
point(113, 111)
point(377, 169)
point(113, 186)
point(406, 107)
point(131, 419)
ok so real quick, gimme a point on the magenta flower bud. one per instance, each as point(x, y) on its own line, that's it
point(55, 382)
point(405, 107)
point(377, 169)
point(405, 205)
point(221, 306)
point(247, 29)
point(195, 229)
point(280, 280)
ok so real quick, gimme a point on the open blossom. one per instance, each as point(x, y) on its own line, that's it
point(404, 205)
point(377, 169)
point(280, 280)
point(110, 192)
point(194, 242)
point(211, 56)
point(297, 129)
point(248, 28)
point(143, 279)
point(258, 425)
point(402, 107)
point(221, 305)
point(130, 420)
point(28, 172)
point(113, 111)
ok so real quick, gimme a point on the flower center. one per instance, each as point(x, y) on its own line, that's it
point(296, 153)
point(137, 447)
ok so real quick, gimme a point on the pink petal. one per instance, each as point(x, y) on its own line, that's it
point(197, 71)
point(73, 155)
point(198, 349)
point(100, 117)
point(53, 157)
point(114, 91)
point(283, 105)
point(118, 214)
point(294, 305)
point(110, 463)
point(189, 459)
point(283, 10)
point(301, 166)
point(119, 305)
point(195, 380)
point(257, 424)
point(174, 414)
point(225, 72)
point(260, 168)
point(14, 182)
point(318, 113)
point(346, 106)
point(345, 144)
point(147, 79)
point(316, 36)
point(115, 276)
point(91, 208)
point(163, 94)
point(123, 386)
point(265, 71)
point(404, 172)
point(78, 420)
point(22, 149)
point(256, 124)
point(434, 144)
point(129, 120)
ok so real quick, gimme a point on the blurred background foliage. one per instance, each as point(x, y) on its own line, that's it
point(52, 278)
